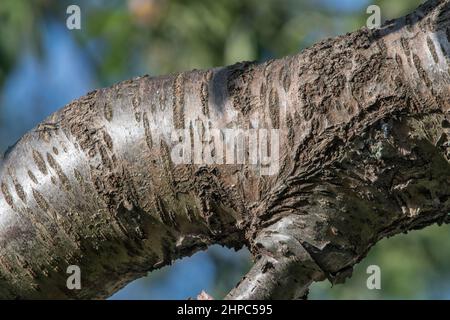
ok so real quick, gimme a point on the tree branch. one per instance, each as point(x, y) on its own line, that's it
point(363, 154)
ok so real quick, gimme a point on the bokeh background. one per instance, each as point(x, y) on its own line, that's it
point(43, 66)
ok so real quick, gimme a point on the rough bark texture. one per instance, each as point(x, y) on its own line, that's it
point(364, 154)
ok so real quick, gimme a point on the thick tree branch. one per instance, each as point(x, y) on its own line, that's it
point(363, 154)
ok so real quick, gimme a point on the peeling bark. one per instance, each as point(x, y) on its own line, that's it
point(364, 154)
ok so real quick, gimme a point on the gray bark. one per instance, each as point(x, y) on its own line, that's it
point(364, 154)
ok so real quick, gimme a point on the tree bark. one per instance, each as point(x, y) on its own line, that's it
point(364, 151)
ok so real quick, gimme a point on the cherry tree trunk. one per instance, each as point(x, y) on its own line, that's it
point(308, 161)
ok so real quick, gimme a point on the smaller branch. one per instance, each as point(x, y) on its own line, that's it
point(283, 270)
point(204, 296)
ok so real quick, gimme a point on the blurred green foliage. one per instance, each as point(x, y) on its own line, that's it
point(171, 35)
point(17, 27)
point(413, 266)
point(126, 38)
